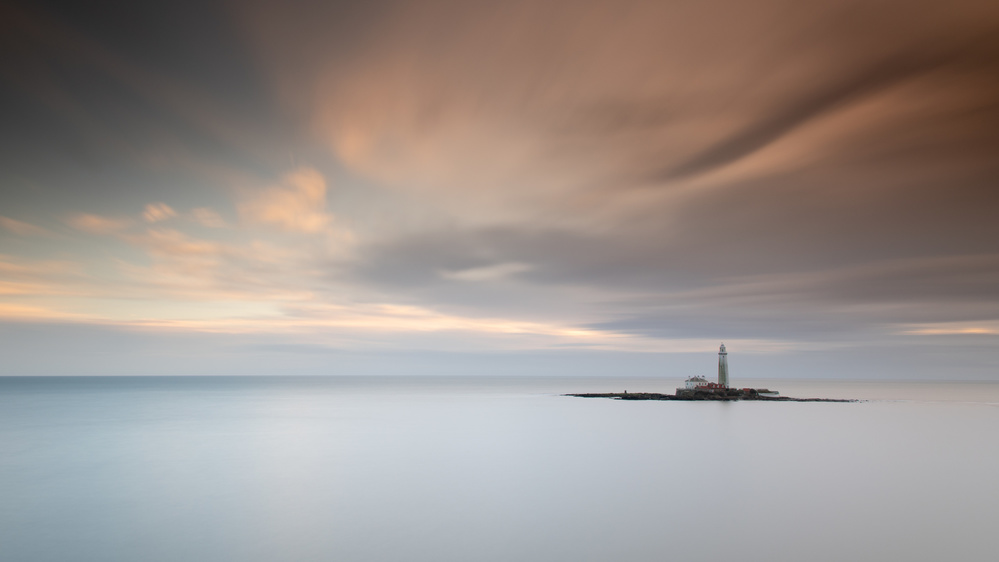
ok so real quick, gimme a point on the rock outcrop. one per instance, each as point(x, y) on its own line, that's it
point(718, 394)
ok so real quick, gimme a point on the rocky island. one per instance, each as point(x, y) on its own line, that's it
point(699, 388)
point(726, 394)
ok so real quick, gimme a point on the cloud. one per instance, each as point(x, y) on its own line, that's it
point(383, 325)
point(22, 312)
point(627, 174)
point(953, 329)
point(596, 104)
point(49, 40)
point(97, 224)
point(297, 204)
point(808, 107)
point(644, 282)
point(169, 242)
point(486, 273)
point(207, 217)
point(20, 276)
point(158, 212)
point(22, 228)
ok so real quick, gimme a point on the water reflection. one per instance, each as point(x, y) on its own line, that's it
point(447, 469)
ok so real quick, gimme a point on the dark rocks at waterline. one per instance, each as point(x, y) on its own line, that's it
point(727, 395)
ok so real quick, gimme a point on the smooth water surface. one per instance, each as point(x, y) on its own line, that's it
point(448, 469)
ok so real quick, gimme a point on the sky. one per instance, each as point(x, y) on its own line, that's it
point(607, 187)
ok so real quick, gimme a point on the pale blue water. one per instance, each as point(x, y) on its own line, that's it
point(385, 469)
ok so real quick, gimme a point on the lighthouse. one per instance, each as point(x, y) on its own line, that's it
point(723, 366)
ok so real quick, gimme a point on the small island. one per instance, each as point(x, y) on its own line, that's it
point(729, 394)
point(699, 388)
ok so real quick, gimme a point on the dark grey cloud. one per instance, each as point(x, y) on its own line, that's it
point(695, 288)
point(112, 102)
point(866, 82)
point(890, 57)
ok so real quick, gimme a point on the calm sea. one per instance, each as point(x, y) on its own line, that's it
point(446, 469)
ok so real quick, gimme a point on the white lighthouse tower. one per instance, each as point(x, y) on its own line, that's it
point(723, 366)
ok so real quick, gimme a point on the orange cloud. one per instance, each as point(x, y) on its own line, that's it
point(555, 109)
point(157, 212)
point(96, 224)
point(169, 242)
point(22, 228)
point(383, 324)
point(11, 267)
point(297, 204)
point(23, 278)
point(207, 217)
point(11, 311)
point(981, 328)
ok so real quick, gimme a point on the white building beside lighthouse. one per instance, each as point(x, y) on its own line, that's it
point(695, 382)
point(722, 366)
